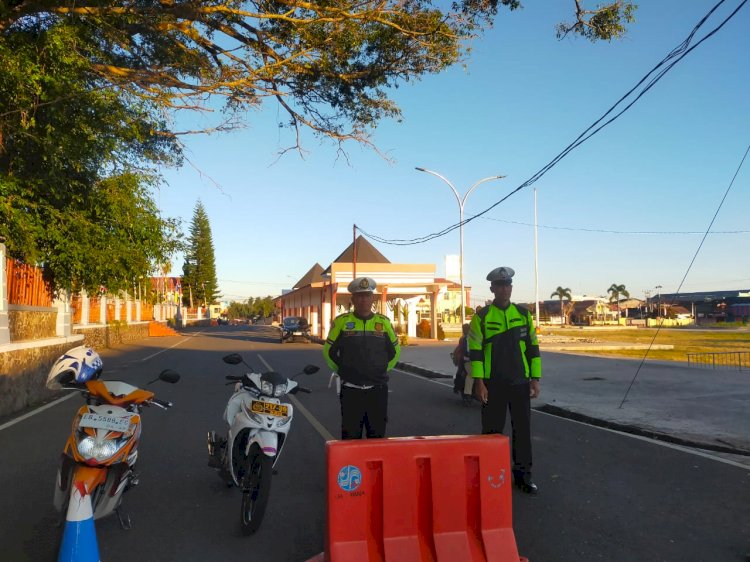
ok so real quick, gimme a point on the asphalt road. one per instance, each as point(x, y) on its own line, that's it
point(603, 495)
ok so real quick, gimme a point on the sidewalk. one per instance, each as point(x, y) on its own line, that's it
point(700, 408)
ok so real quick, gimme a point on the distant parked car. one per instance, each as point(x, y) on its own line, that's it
point(294, 327)
point(222, 321)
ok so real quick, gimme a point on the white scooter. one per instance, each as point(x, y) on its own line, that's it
point(258, 425)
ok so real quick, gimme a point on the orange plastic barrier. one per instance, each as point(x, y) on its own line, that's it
point(413, 499)
point(157, 329)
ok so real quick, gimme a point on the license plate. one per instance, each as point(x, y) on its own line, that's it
point(269, 408)
point(297, 334)
point(111, 423)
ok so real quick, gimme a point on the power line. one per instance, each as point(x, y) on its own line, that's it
point(600, 230)
point(650, 79)
point(682, 282)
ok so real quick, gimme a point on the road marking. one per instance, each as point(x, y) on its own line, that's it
point(322, 431)
point(682, 448)
point(55, 402)
point(34, 412)
point(168, 348)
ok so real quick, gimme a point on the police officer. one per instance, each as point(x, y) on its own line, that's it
point(361, 348)
point(506, 366)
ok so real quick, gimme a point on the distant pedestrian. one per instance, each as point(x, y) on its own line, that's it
point(463, 382)
point(506, 366)
point(361, 348)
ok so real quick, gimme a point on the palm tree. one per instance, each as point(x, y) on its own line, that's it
point(615, 292)
point(562, 294)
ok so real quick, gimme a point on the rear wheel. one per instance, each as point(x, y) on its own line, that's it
point(256, 487)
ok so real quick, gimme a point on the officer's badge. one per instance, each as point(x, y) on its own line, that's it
point(378, 326)
point(364, 283)
point(349, 325)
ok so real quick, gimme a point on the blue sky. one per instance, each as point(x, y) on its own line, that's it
point(663, 167)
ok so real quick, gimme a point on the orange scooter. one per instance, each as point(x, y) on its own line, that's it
point(100, 454)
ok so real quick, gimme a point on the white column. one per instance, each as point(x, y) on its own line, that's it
point(103, 309)
point(326, 318)
point(314, 322)
point(85, 307)
point(4, 330)
point(128, 311)
point(138, 310)
point(64, 327)
point(118, 302)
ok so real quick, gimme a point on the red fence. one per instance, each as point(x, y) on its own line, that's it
point(26, 285)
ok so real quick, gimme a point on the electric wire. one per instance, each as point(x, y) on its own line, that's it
point(650, 79)
point(605, 231)
point(692, 261)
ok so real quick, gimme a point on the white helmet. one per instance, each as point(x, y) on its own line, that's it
point(77, 365)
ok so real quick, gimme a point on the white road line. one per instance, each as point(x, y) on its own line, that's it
point(54, 403)
point(168, 348)
point(33, 412)
point(322, 431)
point(666, 444)
point(682, 448)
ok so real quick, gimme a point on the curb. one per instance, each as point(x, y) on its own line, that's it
point(624, 428)
point(409, 368)
point(635, 430)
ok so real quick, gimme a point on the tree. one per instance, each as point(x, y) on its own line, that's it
point(76, 177)
point(199, 268)
point(562, 293)
point(615, 291)
point(604, 23)
point(327, 64)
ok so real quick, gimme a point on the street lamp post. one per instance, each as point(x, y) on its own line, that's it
point(658, 300)
point(461, 201)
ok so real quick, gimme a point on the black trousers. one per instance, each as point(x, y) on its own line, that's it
point(502, 397)
point(366, 409)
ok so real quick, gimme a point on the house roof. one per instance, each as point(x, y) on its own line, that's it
point(366, 253)
point(313, 275)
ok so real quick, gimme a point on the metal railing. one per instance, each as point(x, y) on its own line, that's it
point(728, 360)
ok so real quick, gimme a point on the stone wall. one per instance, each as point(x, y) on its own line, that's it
point(23, 374)
point(25, 325)
point(112, 334)
point(23, 370)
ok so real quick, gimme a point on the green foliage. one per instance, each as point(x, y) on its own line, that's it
point(604, 23)
point(440, 332)
point(424, 329)
point(562, 293)
point(254, 306)
point(328, 64)
point(468, 311)
point(199, 268)
point(74, 177)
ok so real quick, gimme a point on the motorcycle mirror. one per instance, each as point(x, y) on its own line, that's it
point(310, 369)
point(232, 359)
point(167, 375)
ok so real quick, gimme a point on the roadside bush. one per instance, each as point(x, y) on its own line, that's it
point(440, 332)
point(424, 329)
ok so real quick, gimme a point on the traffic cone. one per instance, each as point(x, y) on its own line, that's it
point(79, 537)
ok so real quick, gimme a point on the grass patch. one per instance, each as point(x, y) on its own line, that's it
point(684, 340)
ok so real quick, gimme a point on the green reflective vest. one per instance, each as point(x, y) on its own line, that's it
point(513, 329)
point(361, 351)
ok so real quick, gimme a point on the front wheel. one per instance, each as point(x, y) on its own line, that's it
point(256, 487)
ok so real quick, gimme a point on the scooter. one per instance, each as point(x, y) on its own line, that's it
point(258, 426)
point(99, 457)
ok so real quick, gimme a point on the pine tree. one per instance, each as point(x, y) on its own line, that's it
point(199, 269)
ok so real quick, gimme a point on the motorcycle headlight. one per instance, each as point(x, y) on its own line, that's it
point(282, 422)
point(279, 390)
point(99, 450)
point(266, 388)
